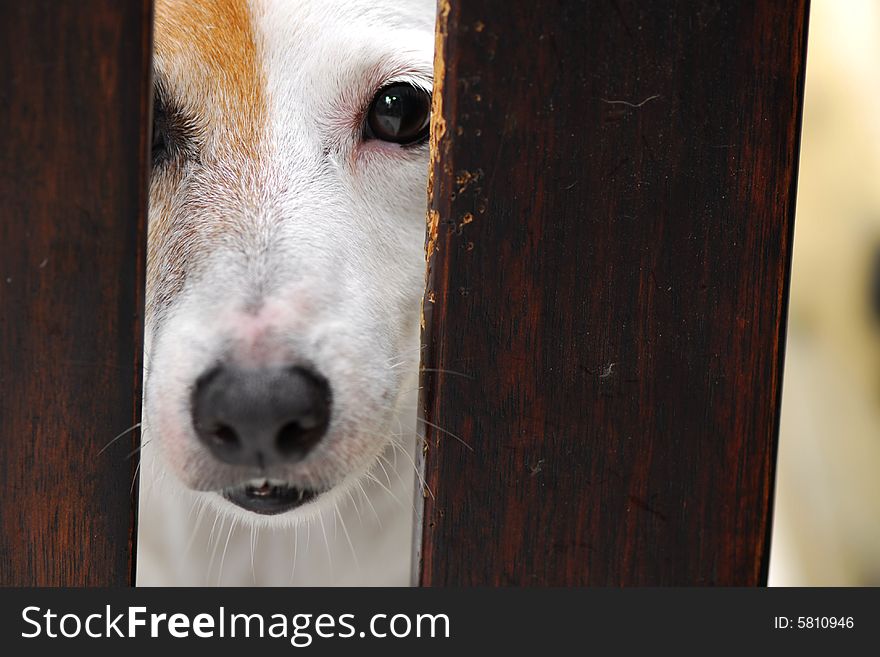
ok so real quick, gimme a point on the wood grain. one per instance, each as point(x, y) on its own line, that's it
point(610, 228)
point(74, 106)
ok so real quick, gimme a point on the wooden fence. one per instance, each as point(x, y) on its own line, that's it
point(609, 239)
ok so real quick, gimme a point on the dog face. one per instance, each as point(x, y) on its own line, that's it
point(286, 240)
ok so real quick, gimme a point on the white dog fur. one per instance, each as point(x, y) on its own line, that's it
point(284, 237)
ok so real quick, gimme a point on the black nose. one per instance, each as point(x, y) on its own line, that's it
point(261, 416)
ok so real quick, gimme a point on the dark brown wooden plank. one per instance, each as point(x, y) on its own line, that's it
point(610, 230)
point(74, 104)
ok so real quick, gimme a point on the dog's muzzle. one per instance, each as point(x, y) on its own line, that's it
point(260, 418)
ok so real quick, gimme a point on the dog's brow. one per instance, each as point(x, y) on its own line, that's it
point(164, 97)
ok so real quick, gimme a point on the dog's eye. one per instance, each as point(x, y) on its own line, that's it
point(173, 133)
point(160, 131)
point(400, 113)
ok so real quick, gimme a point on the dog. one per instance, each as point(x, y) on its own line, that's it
point(285, 273)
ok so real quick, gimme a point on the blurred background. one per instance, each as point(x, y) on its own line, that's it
point(827, 513)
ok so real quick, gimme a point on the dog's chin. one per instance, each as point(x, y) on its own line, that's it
point(269, 497)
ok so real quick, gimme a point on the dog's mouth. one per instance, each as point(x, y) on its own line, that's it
point(268, 498)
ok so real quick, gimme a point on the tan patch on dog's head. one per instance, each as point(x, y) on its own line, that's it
point(209, 74)
point(206, 51)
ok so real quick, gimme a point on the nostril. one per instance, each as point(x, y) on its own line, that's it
point(225, 436)
point(289, 438)
point(307, 421)
point(299, 436)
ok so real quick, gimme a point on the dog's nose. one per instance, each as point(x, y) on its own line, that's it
point(261, 416)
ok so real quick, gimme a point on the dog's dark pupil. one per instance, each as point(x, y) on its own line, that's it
point(160, 129)
point(400, 113)
point(158, 138)
point(172, 134)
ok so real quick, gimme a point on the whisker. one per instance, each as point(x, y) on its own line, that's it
point(129, 430)
point(394, 451)
point(374, 478)
point(442, 371)
point(134, 479)
point(253, 549)
point(225, 547)
point(355, 505)
point(326, 544)
point(399, 478)
point(396, 499)
point(405, 354)
point(415, 468)
point(211, 533)
point(367, 498)
point(387, 476)
point(200, 503)
point(442, 430)
point(137, 449)
point(393, 469)
point(398, 446)
point(216, 546)
point(347, 538)
point(295, 548)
